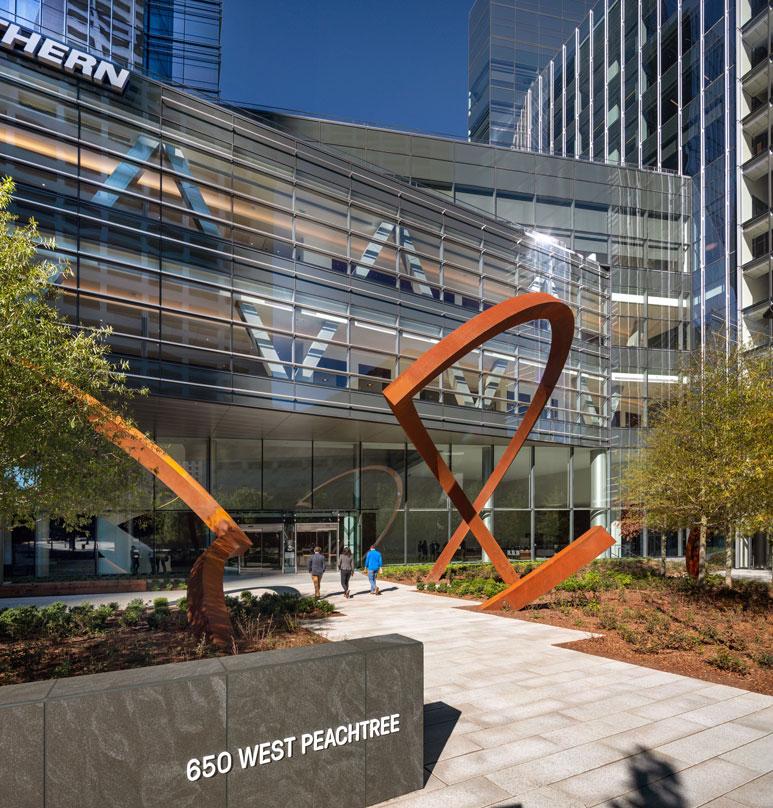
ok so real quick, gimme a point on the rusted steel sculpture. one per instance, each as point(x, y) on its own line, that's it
point(207, 612)
point(551, 572)
point(399, 394)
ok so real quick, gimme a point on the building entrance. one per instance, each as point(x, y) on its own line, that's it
point(285, 542)
point(268, 541)
point(309, 535)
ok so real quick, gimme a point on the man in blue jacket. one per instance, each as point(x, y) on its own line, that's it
point(373, 564)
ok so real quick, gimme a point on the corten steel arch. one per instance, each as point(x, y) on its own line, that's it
point(207, 612)
point(399, 394)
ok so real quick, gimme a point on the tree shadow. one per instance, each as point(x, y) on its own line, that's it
point(280, 590)
point(439, 722)
point(654, 783)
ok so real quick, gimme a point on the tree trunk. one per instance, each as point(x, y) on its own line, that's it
point(663, 544)
point(729, 556)
point(702, 550)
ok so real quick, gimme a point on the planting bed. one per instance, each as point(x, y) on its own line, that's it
point(669, 623)
point(56, 641)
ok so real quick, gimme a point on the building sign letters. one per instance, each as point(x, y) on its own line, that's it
point(247, 757)
point(49, 52)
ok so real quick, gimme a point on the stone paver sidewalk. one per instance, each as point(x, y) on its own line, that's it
point(513, 721)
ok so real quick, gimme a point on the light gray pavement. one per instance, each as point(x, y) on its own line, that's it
point(513, 721)
point(764, 576)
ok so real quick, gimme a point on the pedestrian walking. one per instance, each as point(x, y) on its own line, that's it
point(317, 568)
point(373, 564)
point(346, 568)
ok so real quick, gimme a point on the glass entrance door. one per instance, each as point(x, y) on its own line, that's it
point(309, 535)
point(267, 543)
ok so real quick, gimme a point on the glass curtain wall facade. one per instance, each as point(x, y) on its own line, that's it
point(637, 222)
point(266, 290)
point(174, 41)
point(112, 30)
point(183, 43)
point(651, 83)
point(509, 42)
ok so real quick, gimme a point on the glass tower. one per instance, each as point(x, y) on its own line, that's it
point(113, 30)
point(183, 43)
point(660, 84)
point(510, 41)
point(175, 41)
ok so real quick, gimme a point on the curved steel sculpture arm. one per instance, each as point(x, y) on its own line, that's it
point(399, 394)
point(207, 612)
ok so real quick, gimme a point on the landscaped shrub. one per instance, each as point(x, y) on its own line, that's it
point(420, 586)
point(276, 604)
point(133, 613)
point(430, 586)
point(88, 619)
point(442, 587)
point(57, 620)
point(491, 588)
point(726, 661)
point(161, 605)
point(607, 618)
point(162, 617)
point(21, 622)
point(765, 659)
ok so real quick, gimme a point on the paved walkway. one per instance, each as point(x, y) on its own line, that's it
point(513, 721)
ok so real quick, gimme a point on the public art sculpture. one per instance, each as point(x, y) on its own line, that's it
point(399, 394)
point(207, 611)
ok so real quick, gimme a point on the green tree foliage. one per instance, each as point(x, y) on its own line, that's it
point(52, 461)
point(707, 461)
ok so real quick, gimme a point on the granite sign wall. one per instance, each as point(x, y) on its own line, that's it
point(337, 724)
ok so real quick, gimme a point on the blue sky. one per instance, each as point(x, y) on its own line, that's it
point(395, 63)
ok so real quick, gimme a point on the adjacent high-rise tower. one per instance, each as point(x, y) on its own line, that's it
point(509, 42)
point(685, 87)
point(174, 41)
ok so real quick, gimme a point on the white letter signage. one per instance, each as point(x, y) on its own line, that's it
point(49, 52)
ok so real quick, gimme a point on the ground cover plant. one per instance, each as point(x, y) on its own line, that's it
point(59, 640)
point(672, 623)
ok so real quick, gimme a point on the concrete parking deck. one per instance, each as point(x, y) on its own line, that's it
point(514, 721)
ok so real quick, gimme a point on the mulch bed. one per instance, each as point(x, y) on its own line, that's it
point(713, 633)
point(121, 647)
point(729, 643)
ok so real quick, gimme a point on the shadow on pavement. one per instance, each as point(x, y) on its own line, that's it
point(367, 591)
point(653, 783)
point(280, 590)
point(439, 722)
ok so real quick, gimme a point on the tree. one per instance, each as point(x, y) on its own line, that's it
point(707, 459)
point(52, 462)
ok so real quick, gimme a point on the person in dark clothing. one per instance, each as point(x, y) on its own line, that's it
point(317, 567)
point(346, 568)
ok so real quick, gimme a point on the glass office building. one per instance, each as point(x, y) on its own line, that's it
point(509, 42)
point(175, 41)
point(265, 288)
point(679, 86)
point(182, 43)
point(636, 222)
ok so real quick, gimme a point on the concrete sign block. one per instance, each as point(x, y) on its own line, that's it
point(336, 724)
